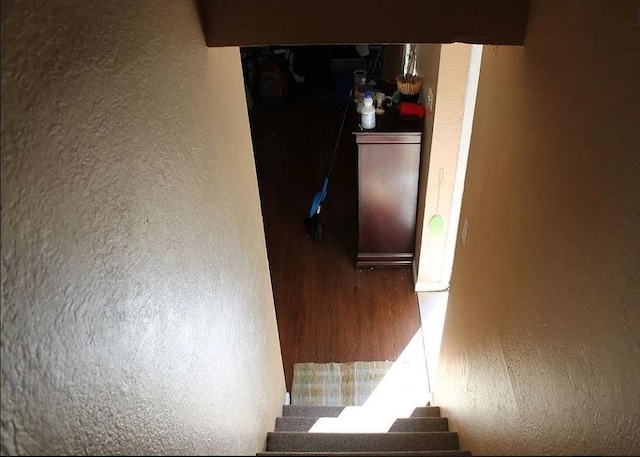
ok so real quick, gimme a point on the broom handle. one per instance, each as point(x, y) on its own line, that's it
point(335, 148)
point(346, 108)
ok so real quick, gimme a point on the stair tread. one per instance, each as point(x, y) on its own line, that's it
point(311, 411)
point(374, 434)
point(373, 454)
point(335, 411)
point(403, 424)
point(420, 424)
point(426, 411)
point(364, 442)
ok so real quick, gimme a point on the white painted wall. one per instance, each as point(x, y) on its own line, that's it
point(445, 156)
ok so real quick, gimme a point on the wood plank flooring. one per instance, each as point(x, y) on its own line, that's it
point(327, 310)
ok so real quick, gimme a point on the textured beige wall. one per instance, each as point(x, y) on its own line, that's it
point(137, 311)
point(541, 349)
point(441, 145)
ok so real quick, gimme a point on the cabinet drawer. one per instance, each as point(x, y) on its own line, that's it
point(387, 201)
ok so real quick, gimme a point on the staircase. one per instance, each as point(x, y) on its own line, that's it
point(424, 433)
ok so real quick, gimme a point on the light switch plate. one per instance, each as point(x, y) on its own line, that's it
point(465, 231)
point(430, 100)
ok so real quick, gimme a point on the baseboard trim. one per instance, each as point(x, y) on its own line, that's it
point(431, 286)
point(384, 260)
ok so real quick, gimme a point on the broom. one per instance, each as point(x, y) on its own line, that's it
point(312, 221)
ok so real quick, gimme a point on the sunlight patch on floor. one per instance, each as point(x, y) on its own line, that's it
point(404, 387)
point(433, 308)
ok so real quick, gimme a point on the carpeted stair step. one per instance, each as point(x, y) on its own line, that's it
point(361, 442)
point(426, 411)
point(295, 424)
point(334, 411)
point(311, 411)
point(412, 424)
point(372, 454)
point(420, 424)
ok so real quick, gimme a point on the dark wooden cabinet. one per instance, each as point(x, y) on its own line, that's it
point(388, 172)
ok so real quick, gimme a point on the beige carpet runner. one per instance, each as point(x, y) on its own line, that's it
point(336, 384)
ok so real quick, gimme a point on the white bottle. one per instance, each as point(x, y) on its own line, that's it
point(367, 112)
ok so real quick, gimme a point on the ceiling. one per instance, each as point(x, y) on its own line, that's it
point(260, 22)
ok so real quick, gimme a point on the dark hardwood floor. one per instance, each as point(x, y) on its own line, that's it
point(327, 310)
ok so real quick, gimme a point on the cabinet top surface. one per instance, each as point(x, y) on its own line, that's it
point(388, 123)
